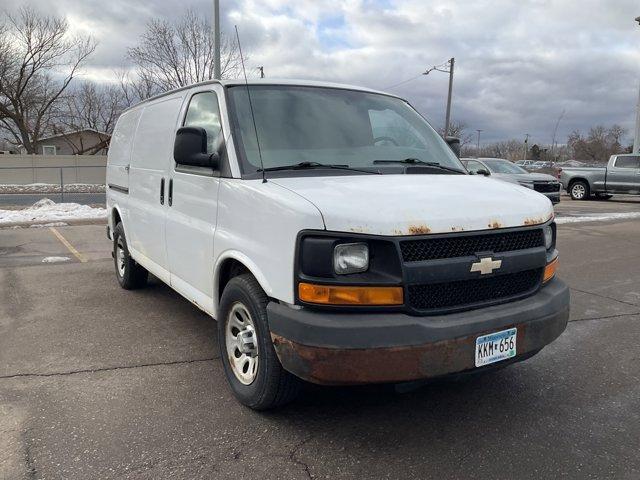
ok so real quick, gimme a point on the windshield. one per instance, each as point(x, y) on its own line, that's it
point(503, 166)
point(331, 126)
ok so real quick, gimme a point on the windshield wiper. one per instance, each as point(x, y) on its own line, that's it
point(309, 165)
point(416, 161)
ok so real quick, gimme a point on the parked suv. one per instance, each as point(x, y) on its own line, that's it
point(332, 233)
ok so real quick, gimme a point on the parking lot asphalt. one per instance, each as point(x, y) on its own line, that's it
point(98, 382)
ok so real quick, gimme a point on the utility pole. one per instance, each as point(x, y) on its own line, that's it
point(478, 145)
point(525, 149)
point(446, 123)
point(636, 139)
point(216, 39)
point(261, 71)
point(442, 68)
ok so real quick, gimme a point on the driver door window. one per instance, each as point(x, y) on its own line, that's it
point(203, 112)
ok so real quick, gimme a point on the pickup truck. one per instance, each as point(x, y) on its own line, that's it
point(620, 176)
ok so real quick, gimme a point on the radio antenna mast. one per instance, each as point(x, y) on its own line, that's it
point(253, 117)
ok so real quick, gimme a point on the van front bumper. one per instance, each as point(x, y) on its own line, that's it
point(357, 348)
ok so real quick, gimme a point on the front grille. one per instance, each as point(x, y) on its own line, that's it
point(467, 245)
point(472, 292)
point(546, 187)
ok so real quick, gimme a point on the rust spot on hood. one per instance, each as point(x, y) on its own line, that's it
point(418, 229)
point(457, 229)
point(533, 221)
point(495, 224)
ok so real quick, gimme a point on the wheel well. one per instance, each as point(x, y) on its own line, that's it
point(115, 217)
point(579, 179)
point(230, 268)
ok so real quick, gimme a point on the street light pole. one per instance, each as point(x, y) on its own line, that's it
point(636, 138)
point(446, 123)
point(478, 146)
point(216, 39)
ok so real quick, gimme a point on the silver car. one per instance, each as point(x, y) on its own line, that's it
point(507, 171)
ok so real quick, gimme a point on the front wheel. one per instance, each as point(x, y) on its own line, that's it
point(250, 362)
point(579, 190)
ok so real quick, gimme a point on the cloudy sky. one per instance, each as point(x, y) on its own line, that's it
point(519, 63)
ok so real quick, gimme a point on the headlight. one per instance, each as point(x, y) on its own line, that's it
point(526, 184)
point(351, 258)
point(548, 236)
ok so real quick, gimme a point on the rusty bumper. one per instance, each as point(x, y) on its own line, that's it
point(341, 348)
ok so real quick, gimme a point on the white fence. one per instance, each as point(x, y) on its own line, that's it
point(52, 169)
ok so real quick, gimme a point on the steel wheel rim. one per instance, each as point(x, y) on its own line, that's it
point(578, 191)
point(242, 344)
point(120, 258)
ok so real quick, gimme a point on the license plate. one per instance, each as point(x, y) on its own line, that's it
point(495, 347)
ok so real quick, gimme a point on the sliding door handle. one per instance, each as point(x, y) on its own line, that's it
point(170, 191)
point(162, 191)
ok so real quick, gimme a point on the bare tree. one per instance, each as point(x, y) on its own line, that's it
point(38, 61)
point(173, 55)
point(599, 144)
point(93, 107)
point(459, 130)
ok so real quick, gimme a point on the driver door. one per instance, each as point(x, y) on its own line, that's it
point(193, 205)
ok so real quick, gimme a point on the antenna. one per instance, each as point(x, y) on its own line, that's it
point(253, 117)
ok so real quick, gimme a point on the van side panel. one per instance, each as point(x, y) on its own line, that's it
point(119, 156)
point(118, 160)
point(150, 160)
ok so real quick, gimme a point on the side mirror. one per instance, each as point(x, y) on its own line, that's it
point(190, 148)
point(454, 144)
point(482, 171)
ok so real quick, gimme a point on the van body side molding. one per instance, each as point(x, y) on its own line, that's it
point(119, 188)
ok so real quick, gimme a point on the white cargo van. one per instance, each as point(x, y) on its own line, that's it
point(332, 233)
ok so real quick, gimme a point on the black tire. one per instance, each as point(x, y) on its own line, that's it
point(272, 386)
point(129, 273)
point(579, 190)
point(603, 196)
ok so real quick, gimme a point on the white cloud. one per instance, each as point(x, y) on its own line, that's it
point(518, 64)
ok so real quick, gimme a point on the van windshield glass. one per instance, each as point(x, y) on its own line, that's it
point(298, 124)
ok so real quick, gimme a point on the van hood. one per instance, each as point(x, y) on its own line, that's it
point(419, 204)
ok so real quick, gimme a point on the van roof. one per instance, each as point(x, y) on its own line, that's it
point(264, 81)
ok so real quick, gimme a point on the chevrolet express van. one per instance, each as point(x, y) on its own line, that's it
point(332, 233)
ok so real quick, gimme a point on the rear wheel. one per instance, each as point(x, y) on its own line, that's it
point(250, 362)
point(579, 190)
point(129, 273)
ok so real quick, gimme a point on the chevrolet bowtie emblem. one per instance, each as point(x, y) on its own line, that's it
point(486, 265)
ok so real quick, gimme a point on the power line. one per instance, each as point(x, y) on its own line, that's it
point(403, 82)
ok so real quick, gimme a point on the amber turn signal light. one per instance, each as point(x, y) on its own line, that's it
point(346, 295)
point(550, 270)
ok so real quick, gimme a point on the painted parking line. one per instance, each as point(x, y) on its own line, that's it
point(70, 247)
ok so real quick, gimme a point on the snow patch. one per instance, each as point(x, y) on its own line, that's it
point(48, 211)
point(604, 217)
point(55, 259)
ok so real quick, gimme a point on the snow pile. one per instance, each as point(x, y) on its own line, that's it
point(55, 259)
point(603, 217)
point(48, 211)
